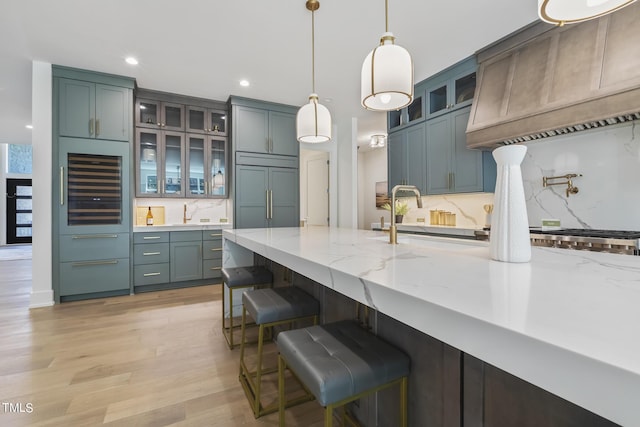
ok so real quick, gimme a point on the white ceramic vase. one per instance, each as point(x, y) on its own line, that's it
point(509, 237)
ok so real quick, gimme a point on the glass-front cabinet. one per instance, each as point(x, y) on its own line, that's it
point(159, 115)
point(160, 160)
point(451, 93)
point(206, 120)
point(409, 115)
point(206, 167)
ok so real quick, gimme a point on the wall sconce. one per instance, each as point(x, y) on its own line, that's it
point(378, 141)
point(571, 189)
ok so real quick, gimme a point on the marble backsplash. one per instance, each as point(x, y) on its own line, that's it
point(197, 209)
point(609, 188)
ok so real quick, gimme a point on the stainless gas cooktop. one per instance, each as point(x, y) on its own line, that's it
point(613, 241)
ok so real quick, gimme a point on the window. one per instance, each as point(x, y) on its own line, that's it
point(19, 159)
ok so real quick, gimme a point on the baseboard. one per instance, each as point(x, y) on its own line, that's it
point(41, 299)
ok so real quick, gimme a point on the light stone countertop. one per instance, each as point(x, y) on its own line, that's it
point(181, 227)
point(568, 321)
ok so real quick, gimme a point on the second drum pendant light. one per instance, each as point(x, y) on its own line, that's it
point(313, 121)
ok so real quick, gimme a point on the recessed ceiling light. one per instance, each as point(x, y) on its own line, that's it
point(29, 126)
point(131, 60)
point(244, 83)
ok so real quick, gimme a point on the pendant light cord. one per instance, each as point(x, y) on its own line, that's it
point(313, 53)
point(386, 16)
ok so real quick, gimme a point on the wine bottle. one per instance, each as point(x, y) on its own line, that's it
point(149, 217)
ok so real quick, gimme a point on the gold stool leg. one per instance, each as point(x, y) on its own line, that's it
point(403, 402)
point(328, 416)
point(242, 339)
point(256, 404)
point(231, 319)
point(281, 367)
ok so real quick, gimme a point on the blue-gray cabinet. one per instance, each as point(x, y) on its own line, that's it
point(266, 173)
point(176, 259)
point(185, 255)
point(263, 128)
point(451, 89)
point(91, 212)
point(406, 157)
point(451, 166)
point(266, 197)
point(212, 254)
point(93, 110)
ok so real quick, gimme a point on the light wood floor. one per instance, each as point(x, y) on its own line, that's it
point(153, 359)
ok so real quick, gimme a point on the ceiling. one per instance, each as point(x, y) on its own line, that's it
point(204, 47)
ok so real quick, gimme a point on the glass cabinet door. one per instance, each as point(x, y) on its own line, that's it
point(465, 88)
point(147, 113)
point(147, 163)
point(218, 167)
point(172, 116)
point(196, 119)
point(173, 161)
point(414, 110)
point(217, 122)
point(438, 99)
point(195, 166)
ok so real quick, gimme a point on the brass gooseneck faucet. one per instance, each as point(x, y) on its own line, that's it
point(393, 231)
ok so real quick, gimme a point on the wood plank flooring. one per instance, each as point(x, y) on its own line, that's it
point(153, 359)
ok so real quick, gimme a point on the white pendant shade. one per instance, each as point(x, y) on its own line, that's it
point(387, 77)
point(572, 11)
point(313, 122)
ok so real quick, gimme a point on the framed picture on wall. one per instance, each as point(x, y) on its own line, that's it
point(382, 196)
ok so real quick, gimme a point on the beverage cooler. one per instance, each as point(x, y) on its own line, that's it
point(94, 208)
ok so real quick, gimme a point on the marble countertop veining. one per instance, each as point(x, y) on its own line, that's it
point(568, 321)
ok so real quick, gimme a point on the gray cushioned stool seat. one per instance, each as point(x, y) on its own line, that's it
point(245, 276)
point(275, 304)
point(339, 360)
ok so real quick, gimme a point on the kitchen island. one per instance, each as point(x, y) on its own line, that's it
point(567, 322)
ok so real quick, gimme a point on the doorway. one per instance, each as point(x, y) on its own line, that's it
point(19, 211)
point(315, 187)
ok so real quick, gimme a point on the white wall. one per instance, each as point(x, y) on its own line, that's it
point(42, 289)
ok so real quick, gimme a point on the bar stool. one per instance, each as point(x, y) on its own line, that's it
point(339, 363)
point(271, 307)
point(238, 278)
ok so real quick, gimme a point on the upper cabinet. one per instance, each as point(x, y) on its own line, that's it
point(93, 110)
point(159, 115)
point(407, 157)
point(451, 90)
point(264, 130)
point(188, 161)
point(206, 120)
point(408, 115)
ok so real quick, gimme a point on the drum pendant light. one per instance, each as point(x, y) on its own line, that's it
point(387, 74)
point(562, 12)
point(313, 121)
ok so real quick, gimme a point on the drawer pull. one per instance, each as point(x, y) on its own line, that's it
point(150, 253)
point(215, 235)
point(150, 237)
point(215, 268)
point(216, 249)
point(151, 274)
point(95, 236)
point(86, 263)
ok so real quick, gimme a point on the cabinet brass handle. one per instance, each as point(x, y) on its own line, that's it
point(95, 236)
point(216, 249)
point(89, 263)
point(97, 127)
point(150, 237)
point(266, 194)
point(270, 204)
point(151, 274)
point(91, 127)
point(215, 235)
point(61, 185)
point(215, 268)
point(150, 253)
point(266, 140)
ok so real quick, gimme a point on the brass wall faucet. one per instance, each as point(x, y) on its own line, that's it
point(571, 189)
point(393, 232)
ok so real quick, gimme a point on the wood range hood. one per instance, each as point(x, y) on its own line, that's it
point(544, 80)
